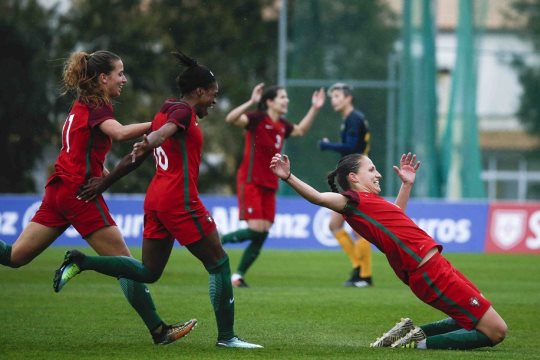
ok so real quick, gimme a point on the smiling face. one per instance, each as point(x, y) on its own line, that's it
point(367, 177)
point(279, 104)
point(113, 82)
point(206, 99)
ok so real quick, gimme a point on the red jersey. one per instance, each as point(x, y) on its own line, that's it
point(386, 226)
point(84, 145)
point(174, 185)
point(262, 139)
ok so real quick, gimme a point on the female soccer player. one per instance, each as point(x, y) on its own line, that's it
point(172, 207)
point(97, 78)
point(413, 255)
point(256, 186)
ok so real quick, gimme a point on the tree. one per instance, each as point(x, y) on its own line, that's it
point(229, 37)
point(529, 73)
point(236, 39)
point(338, 40)
point(25, 104)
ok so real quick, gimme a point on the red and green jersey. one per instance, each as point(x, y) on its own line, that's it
point(262, 139)
point(386, 226)
point(174, 185)
point(84, 145)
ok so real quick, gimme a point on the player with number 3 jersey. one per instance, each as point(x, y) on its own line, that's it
point(265, 131)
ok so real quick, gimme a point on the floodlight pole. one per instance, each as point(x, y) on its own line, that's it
point(282, 44)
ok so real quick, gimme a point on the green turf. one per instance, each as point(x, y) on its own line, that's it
point(296, 307)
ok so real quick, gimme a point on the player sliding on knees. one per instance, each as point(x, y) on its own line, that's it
point(413, 255)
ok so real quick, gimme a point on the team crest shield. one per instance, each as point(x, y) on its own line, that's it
point(508, 227)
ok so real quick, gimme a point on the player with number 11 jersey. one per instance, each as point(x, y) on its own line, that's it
point(84, 145)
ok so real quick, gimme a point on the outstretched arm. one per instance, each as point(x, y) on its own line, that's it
point(317, 101)
point(237, 116)
point(280, 165)
point(130, 162)
point(153, 140)
point(119, 132)
point(98, 185)
point(407, 173)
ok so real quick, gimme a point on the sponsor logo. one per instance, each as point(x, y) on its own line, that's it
point(30, 212)
point(321, 230)
point(446, 230)
point(533, 242)
point(508, 227)
point(8, 223)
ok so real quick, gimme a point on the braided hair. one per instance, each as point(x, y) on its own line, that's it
point(348, 164)
point(194, 76)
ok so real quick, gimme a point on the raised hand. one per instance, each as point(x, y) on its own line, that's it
point(407, 168)
point(318, 98)
point(281, 166)
point(256, 93)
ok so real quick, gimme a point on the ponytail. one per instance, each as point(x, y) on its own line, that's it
point(194, 76)
point(331, 179)
point(81, 74)
point(348, 164)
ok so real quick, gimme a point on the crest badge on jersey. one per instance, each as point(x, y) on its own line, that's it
point(474, 301)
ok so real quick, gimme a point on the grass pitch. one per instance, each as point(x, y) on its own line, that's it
point(296, 307)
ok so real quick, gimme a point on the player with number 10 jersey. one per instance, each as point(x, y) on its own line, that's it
point(172, 205)
point(174, 185)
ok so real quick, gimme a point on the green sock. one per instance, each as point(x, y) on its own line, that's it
point(459, 340)
point(239, 236)
point(252, 252)
point(222, 298)
point(118, 266)
point(139, 297)
point(5, 253)
point(440, 327)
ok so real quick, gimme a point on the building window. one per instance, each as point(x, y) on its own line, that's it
point(511, 176)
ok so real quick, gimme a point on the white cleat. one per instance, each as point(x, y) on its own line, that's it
point(397, 332)
point(411, 339)
point(236, 342)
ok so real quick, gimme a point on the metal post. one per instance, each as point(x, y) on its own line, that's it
point(390, 124)
point(282, 44)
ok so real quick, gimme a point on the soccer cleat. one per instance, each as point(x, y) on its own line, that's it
point(68, 269)
point(411, 339)
point(397, 332)
point(171, 333)
point(361, 284)
point(236, 342)
point(355, 277)
point(238, 281)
